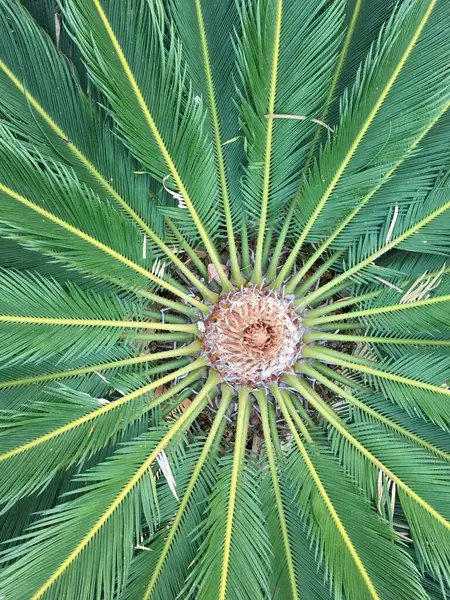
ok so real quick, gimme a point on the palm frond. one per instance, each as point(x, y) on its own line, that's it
point(157, 573)
point(178, 151)
point(63, 125)
point(325, 499)
point(231, 558)
point(376, 119)
point(83, 138)
point(213, 72)
point(294, 570)
point(35, 298)
point(81, 423)
point(380, 94)
point(428, 473)
point(99, 522)
point(224, 294)
point(294, 66)
point(31, 192)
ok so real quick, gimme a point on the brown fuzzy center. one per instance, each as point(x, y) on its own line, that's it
point(252, 337)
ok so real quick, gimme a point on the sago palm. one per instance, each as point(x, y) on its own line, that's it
point(224, 299)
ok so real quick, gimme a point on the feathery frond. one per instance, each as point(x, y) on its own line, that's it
point(224, 300)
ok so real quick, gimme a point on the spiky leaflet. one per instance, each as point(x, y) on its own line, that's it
point(224, 299)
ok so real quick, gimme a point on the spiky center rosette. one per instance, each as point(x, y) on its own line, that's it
point(252, 337)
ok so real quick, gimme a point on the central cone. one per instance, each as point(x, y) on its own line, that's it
point(252, 337)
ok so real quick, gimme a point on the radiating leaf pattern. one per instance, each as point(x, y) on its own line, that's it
point(167, 168)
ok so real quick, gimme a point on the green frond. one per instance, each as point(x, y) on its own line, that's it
point(399, 311)
point(75, 421)
point(434, 436)
point(101, 521)
point(294, 571)
point(157, 574)
point(412, 265)
point(84, 516)
point(247, 561)
point(427, 475)
point(408, 227)
point(413, 219)
point(95, 153)
point(363, 24)
point(365, 405)
point(355, 567)
point(16, 256)
point(170, 142)
point(424, 402)
point(375, 134)
point(232, 557)
point(28, 509)
point(224, 293)
point(31, 192)
point(409, 183)
point(30, 295)
point(63, 125)
point(285, 59)
point(310, 576)
point(210, 27)
point(352, 50)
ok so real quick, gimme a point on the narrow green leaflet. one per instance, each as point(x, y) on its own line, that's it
point(428, 477)
point(164, 130)
point(366, 573)
point(285, 59)
point(64, 126)
point(375, 134)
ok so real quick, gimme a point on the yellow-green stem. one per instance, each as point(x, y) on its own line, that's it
point(326, 353)
point(318, 300)
point(262, 402)
point(291, 287)
point(308, 370)
point(317, 312)
point(295, 400)
point(274, 432)
point(341, 326)
point(192, 328)
point(164, 317)
point(189, 311)
point(377, 310)
point(333, 358)
point(239, 452)
point(315, 336)
point(273, 267)
point(159, 337)
point(257, 273)
point(97, 368)
point(245, 250)
point(187, 248)
point(266, 248)
point(283, 402)
point(213, 435)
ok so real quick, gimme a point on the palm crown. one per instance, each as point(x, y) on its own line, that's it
point(224, 299)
